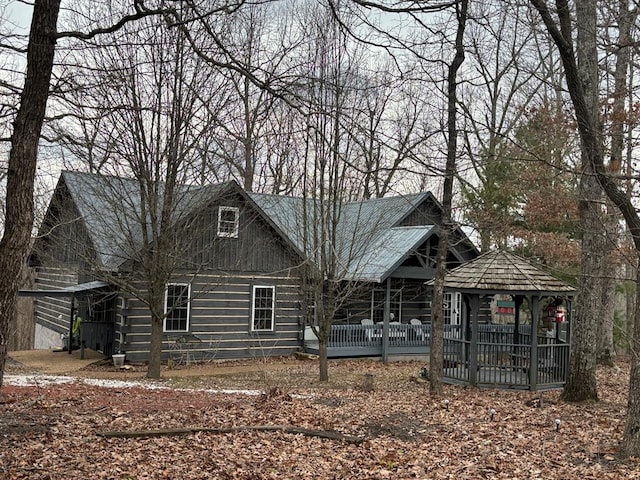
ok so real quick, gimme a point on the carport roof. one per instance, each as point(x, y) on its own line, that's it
point(66, 291)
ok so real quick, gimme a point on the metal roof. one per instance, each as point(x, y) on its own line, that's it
point(368, 244)
point(387, 252)
point(500, 271)
point(66, 291)
point(111, 209)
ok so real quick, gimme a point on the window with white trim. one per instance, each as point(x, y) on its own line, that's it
point(176, 307)
point(263, 308)
point(228, 222)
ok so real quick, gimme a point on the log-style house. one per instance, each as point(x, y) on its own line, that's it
point(235, 261)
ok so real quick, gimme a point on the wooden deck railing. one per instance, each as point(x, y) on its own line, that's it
point(498, 358)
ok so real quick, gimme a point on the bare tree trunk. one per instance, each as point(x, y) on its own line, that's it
point(16, 239)
point(155, 347)
point(581, 382)
point(630, 445)
point(626, 18)
point(436, 354)
point(324, 362)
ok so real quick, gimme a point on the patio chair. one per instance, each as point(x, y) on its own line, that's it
point(417, 327)
point(369, 329)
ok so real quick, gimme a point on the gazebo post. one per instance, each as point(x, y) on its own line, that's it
point(533, 359)
point(517, 303)
point(474, 302)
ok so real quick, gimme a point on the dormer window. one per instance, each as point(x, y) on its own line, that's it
point(228, 222)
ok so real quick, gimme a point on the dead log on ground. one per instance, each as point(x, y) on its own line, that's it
point(331, 435)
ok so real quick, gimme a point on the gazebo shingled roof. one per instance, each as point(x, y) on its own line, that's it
point(500, 271)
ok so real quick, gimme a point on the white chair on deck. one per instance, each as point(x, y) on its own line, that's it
point(369, 328)
point(417, 328)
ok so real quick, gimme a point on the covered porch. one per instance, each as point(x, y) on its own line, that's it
point(507, 325)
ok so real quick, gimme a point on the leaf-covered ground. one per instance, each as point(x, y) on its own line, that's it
point(52, 431)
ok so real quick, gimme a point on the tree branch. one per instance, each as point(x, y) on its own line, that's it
point(330, 435)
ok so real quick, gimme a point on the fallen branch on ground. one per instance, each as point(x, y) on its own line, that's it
point(260, 428)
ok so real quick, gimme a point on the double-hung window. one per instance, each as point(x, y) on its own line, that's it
point(176, 307)
point(263, 308)
point(228, 222)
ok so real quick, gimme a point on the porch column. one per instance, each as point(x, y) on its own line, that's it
point(73, 309)
point(385, 324)
point(474, 303)
point(533, 359)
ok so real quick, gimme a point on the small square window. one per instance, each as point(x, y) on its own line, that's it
point(228, 222)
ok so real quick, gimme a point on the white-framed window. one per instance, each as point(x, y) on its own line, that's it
point(452, 308)
point(263, 308)
point(378, 297)
point(228, 222)
point(176, 307)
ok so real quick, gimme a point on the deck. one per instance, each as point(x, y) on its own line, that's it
point(366, 341)
point(498, 359)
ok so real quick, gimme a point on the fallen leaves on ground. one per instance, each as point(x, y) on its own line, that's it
point(52, 431)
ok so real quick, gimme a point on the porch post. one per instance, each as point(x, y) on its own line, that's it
point(533, 359)
point(385, 323)
point(73, 309)
point(474, 304)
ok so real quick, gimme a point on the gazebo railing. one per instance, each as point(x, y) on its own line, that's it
point(506, 364)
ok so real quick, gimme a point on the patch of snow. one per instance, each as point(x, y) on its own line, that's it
point(46, 380)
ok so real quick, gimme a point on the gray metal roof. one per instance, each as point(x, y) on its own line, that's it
point(66, 291)
point(111, 209)
point(368, 242)
point(387, 252)
point(500, 271)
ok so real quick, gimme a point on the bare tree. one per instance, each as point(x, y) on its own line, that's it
point(617, 118)
point(22, 162)
point(436, 354)
point(158, 98)
point(562, 33)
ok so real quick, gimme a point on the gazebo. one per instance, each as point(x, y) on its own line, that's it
point(515, 325)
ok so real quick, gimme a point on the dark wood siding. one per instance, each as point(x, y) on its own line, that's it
point(53, 313)
point(427, 213)
point(257, 248)
point(219, 323)
point(63, 238)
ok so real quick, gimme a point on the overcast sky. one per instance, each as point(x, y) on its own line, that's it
point(19, 14)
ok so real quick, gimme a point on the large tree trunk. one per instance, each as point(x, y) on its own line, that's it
point(27, 126)
point(562, 36)
point(630, 445)
point(436, 354)
point(155, 347)
point(581, 382)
